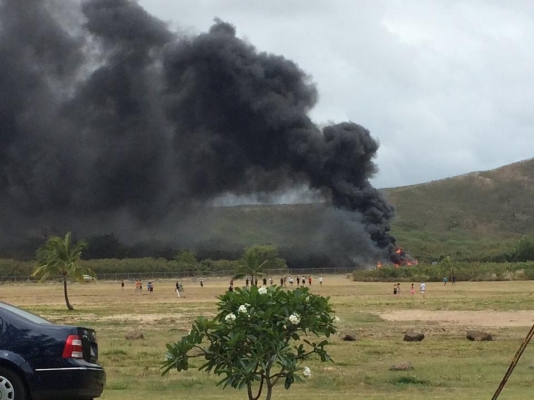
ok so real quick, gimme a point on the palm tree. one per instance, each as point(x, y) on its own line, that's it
point(59, 256)
point(251, 264)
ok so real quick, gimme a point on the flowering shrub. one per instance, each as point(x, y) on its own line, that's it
point(230, 318)
point(294, 319)
point(254, 341)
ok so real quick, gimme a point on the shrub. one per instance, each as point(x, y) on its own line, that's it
point(254, 340)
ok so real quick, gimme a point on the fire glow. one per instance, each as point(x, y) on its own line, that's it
point(399, 258)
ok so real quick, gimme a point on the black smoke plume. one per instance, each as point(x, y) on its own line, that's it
point(110, 122)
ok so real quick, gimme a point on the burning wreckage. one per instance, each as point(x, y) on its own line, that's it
point(399, 258)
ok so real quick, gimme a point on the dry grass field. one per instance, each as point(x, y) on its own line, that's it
point(446, 364)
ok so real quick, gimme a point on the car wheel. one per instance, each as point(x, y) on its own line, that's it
point(11, 386)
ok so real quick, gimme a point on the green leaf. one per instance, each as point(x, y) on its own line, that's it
point(288, 381)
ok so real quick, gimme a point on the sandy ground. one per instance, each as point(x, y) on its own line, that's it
point(464, 318)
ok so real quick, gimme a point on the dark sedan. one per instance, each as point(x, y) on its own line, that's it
point(40, 360)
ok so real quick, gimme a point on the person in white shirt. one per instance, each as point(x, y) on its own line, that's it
point(321, 280)
point(423, 288)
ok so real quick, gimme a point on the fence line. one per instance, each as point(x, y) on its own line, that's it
point(118, 276)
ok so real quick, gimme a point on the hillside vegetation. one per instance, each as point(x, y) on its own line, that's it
point(497, 203)
point(474, 217)
point(477, 216)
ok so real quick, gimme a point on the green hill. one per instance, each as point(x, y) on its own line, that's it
point(476, 216)
point(497, 203)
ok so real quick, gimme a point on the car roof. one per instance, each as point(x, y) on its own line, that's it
point(24, 314)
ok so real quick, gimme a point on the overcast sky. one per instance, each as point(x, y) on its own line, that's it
point(445, 86)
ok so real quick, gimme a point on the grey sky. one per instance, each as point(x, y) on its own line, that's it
point(445, 86)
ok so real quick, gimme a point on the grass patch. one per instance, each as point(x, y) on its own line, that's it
point(447, 366)
point(114, 352)
point(410, 380)
point(114, 385)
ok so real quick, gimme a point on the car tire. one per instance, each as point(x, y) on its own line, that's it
point(11, 386)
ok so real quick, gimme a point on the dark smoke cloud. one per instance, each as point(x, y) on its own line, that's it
point(117, 123)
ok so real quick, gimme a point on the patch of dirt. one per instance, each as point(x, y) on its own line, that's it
point(464, 318)
point(142, 317)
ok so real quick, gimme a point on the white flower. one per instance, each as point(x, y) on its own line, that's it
point(336, 319)
point(262, 290)
point(242, 309)
point(306, 372)
point(230, 318)
point(294, 319)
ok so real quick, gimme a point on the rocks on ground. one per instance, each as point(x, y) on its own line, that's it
point(412, 336)
point(478, 336)
point(348, 337)
point(135, 335)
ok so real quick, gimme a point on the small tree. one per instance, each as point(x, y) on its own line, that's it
point(255, 339)
point(59, 256)
point(256, 259)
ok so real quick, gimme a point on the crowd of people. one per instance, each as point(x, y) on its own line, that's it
point(284, 280)
point(252, 281)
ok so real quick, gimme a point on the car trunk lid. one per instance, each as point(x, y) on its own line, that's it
point(89, 344)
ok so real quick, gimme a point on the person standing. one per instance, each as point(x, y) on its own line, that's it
point(178, 289)
point(122, 284)
point(309, 280)
point(246, 282)
point(412, 290)
point(453, 280)
point(201, 283)
point(298, 281)
point(444, 281)
point(320, 281)
point(422, 288)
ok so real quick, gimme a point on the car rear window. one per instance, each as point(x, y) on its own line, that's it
point(24, 314)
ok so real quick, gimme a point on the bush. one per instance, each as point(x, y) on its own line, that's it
point(255, 338)
point(463, 271)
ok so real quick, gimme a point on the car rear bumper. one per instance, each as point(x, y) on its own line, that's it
point(82, 382)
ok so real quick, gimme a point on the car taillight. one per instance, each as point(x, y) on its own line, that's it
point(73, 347)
